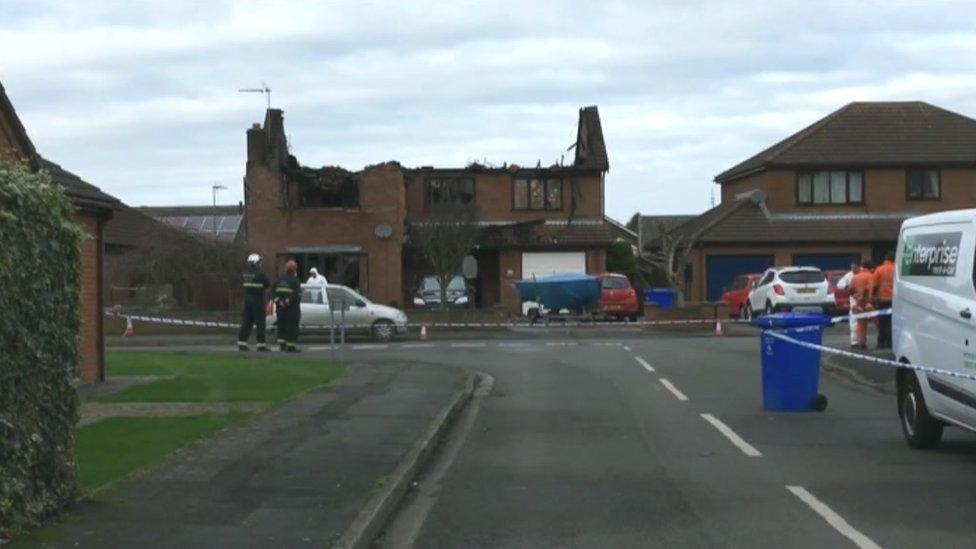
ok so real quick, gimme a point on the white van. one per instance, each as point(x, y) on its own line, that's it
point(933, 325)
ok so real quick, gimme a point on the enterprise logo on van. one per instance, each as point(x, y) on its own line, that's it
point(934, 254)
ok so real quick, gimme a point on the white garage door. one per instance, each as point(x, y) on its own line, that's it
point(549, 263)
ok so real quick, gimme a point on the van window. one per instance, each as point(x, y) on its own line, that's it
point(802, 277)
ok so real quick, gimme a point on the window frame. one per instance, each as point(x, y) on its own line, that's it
point(545, 182)
point(455, 179)
point(938, 181)
point(847, 188)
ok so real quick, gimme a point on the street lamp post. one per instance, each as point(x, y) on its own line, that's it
point(216, 187)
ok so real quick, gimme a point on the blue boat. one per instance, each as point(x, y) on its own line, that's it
point(574, 292)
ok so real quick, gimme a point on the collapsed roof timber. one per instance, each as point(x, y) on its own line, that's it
point(325, 187)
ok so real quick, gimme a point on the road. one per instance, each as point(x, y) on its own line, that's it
point(661, 441)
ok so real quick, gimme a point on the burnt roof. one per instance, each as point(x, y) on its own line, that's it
point(871, 134)
point(82, 194)
point(747, 220)
point(591, 149)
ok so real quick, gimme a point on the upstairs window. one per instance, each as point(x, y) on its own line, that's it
point(537, 194)
point(452, 190)
point(830, 187)
point(923, 185)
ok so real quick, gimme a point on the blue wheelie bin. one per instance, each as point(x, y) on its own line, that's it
point(791, 373)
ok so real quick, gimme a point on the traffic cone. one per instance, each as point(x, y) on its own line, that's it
point(718, 328)
point(423, 332)
point(129, 332)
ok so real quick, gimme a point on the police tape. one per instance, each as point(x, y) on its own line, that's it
point(860, 316)
point(783, 336)
point(542, 323)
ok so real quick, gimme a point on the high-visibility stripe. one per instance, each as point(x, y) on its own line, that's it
point(253, 285)
point(284, 290)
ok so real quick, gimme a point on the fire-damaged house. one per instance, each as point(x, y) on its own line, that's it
point(353, 226)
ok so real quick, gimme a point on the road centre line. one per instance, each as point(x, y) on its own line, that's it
point(417, 345)
point(467, 344)
point(833, 518)
point(741, 444)
point(674, 390)
point(626, 348)
point(368, 347)
point(561, 344)
point(644, 363)
point(513, 344)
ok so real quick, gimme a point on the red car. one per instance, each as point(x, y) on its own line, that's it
point(618, 297)
point(842, 302)
point(737, 294)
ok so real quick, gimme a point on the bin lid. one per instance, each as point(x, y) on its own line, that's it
point(791, 320)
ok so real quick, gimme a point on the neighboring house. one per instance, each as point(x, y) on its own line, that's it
point(621, 232)
point(649, 227)
point(221, 222)
point(352, 226)
point(125, 235)
point(834, 193)
point(93, 209)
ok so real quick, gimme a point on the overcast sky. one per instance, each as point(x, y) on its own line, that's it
point(141, 99)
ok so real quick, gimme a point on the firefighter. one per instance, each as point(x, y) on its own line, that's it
point(255, 284)
point(862, 289)
point(884, 284)
point(288, 300)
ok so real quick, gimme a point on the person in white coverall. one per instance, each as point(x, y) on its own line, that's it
point(315, 279)
point(843, 284)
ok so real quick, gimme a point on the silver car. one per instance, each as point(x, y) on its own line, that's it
point(360, 315)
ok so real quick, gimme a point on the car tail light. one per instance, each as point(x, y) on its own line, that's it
point(778, 289)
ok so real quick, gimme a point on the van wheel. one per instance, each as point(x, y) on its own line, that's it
point(921, 430)
point(383, 330)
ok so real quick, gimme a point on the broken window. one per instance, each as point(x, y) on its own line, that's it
point(537, 194)
point(449, 189)
point(327, 187)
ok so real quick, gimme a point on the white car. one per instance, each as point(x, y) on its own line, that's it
point(360, 314)
point(933, 325)
point(790, 289)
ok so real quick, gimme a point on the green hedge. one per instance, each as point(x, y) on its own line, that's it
point(39, 262)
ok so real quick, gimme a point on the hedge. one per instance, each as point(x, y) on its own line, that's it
point(39, 263)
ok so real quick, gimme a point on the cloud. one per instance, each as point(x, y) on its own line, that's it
point(141, 98)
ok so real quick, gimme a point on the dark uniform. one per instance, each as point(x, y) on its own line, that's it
point(288, 299)
point(255, 283)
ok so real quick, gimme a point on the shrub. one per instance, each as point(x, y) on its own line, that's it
point(39, 262)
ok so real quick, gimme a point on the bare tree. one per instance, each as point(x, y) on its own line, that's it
point(447, 235)
point(670, 257)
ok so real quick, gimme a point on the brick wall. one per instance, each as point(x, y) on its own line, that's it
point(493, 195)
point(90, 349)
point(884, 191)
point(271, 229)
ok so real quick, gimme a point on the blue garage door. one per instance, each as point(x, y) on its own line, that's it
point(721, 270)
point(826, 262)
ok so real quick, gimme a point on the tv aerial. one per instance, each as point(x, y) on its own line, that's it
point(264, 89)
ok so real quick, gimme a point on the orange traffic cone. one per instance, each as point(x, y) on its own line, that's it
point(718, 328)
point(129, 332)
point(423, 332)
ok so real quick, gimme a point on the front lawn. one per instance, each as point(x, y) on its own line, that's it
point(217, 378)
point(114, 447)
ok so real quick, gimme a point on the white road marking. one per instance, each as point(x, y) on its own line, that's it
point(369, 347)
point(746, 448)
point(833, 518)
point(322, 348)
point(607, 344)
point(561, 344)
point(417, 345)
point(467, 344)
point(644, 363)
point(513, 344)
point(674, 390)
point(626, 348)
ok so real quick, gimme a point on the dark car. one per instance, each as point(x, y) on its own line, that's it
point(429, 293)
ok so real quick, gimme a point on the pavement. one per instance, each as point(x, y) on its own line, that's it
point(297, 475)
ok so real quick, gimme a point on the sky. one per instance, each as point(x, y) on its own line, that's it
point(141, 98)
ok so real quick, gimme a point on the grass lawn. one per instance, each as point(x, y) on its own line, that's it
point(217, 378)
point(115, 447)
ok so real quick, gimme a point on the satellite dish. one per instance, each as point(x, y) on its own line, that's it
point(383, 230)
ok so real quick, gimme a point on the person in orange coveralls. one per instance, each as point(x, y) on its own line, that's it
point(884, 285)
point(862, 289)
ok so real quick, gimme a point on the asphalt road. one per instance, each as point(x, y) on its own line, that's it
point(603, 443)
